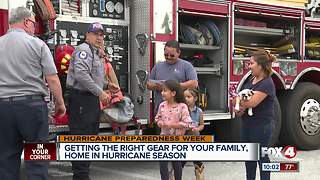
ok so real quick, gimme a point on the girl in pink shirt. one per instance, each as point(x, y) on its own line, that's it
point(173, 118)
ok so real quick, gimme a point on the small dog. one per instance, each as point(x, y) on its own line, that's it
point(245, 94)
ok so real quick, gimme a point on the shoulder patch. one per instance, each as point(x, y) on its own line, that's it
point(82, 54)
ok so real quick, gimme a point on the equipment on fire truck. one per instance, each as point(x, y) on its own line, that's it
point(215, 31)
point(191, 35)
point(286, 49)
point(204, 32)
point(203, 96)
point(142, 41)
point(62, 58)
point(249, 22)
point(45, 12)
point(71, 7)
point(45, 9)
point(107, 9)
point(142, 78)
point(199, 60)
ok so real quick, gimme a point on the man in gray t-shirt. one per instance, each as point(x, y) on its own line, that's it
point(26, 66)
point(173, 68)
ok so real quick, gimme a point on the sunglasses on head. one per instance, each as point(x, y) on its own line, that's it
point(169, 55)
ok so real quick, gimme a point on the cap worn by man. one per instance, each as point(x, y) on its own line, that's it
point(94, 27)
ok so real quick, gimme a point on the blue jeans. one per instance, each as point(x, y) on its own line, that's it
point(24, 120)
point(258, 134)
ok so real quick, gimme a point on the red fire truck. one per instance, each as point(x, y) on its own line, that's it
point(216, 36)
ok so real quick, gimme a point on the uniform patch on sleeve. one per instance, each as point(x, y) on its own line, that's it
point(82, 54)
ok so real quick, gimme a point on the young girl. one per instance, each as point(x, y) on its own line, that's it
point(173, 118)
point(191, 97)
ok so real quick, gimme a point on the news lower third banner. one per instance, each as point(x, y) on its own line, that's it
point(140, 148)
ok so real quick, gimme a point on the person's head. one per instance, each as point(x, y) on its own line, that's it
point(22, 18)
point(95, 34)
point(171, 51)
point(261, 63)
point(172, 91)
point(191, 96)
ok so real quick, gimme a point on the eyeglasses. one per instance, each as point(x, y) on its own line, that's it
point(169, 55)
point(33, 22)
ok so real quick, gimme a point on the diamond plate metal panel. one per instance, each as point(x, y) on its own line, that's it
point(139, 23)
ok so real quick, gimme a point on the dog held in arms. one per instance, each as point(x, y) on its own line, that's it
point(245, 94)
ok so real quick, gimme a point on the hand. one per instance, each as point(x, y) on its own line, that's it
point(239, 112)
point(60, 109)
point(105, 97)
point(158, 86)
point(160, 124)
point(195, 129)
point(113, 87)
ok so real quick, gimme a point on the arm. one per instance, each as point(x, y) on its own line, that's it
point(50, 75)
point(158, 118)
point(55, 87)
point(189, 84)
point(201, 123)
point(153, 86)
point(256, 99)
point(191, 76)
point(185, 121)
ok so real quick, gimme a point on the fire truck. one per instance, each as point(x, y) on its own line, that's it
point(216, 36)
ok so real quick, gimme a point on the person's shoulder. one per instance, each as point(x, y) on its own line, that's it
point(199, 109)
point(83, 47)
point(34, 40)
point(267, 81)
point(182, 61)
point(82, 51)
point(183, 105)
point(185, 63)
point(160, 65)
point(162, 104)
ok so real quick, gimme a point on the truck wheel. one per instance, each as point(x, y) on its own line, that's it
point(301, 117)
point(277, 124)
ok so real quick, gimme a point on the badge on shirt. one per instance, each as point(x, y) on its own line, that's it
point(83, 55)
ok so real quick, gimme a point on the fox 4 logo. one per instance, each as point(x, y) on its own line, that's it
point(288, 152)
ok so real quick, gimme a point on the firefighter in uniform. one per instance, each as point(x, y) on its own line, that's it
point(86, 81)
point(26, 62)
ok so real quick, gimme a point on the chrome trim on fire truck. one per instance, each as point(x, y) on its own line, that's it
point(269, 7)
point(203, 14)
point(280, 78)
point(243, 80)
point(210, 115)
point(294, 83)
point(249, 73)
